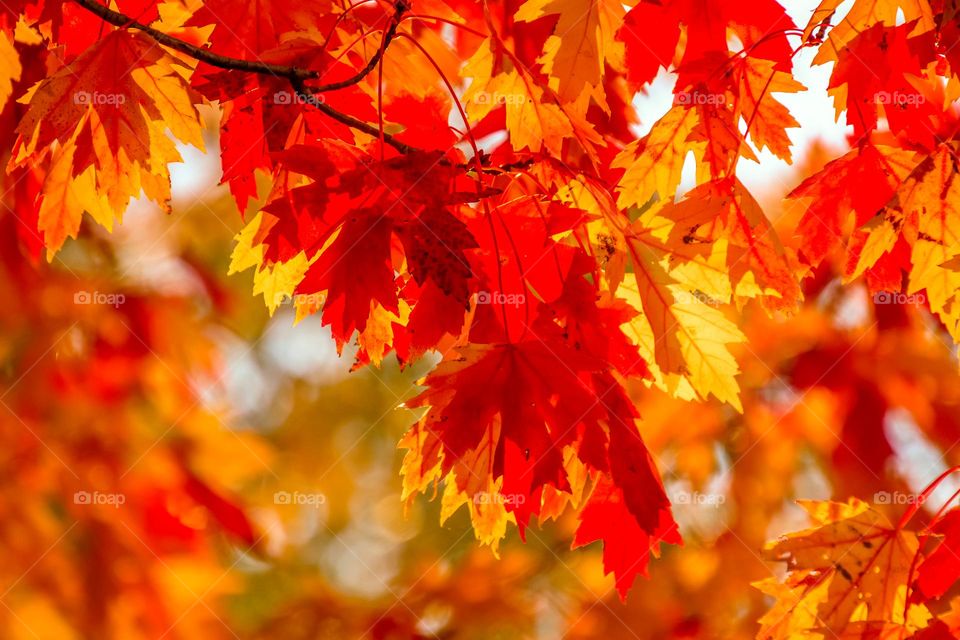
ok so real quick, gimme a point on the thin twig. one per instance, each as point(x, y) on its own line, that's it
point(297, 76)
point(238, 64)
point(307, 95)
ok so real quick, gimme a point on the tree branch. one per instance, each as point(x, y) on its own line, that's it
point(238, 64)
point(297, 76)
point(198, 53)
point(400, 7)
point(307, 95)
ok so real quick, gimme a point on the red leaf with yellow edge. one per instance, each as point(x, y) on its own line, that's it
point(114, 106)
point(881, 72)
point(844, 195)
point(355, 273)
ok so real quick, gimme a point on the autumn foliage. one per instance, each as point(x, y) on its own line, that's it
point(593, 292)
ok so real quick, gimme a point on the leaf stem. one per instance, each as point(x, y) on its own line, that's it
point(915, 507)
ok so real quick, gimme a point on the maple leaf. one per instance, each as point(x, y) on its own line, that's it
point(355, 273)
point(475, 410)
point(111, 109)
point(647, 50)
point(941, 568)
point(653, 165)
point(861, 16)
point(653, 30)
point(627, 546)
point(582, 42)
point(851, 569)
point(881, 72)
point(767, 118)
point(482, 432)
point(249, 30)
point(842, 197)
point(679, 329)
point(694, 352)
point(345, 224)
point(409, 111)
point(922, 215)
point(532, 120)
point(66, 196)
point(931, 195)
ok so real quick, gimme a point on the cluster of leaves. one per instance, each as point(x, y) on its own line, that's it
point(536, 243)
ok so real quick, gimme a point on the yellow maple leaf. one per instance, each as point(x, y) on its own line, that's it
point(574, 56)
point(653, 165)
point(767, 118)
point(488, 512)
point(276, 282)
point(533, 121)
point(680, 331)
point(66, 195)
point(862, 15)
point(689, 346)
point(849, 572)
point(932, 194)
